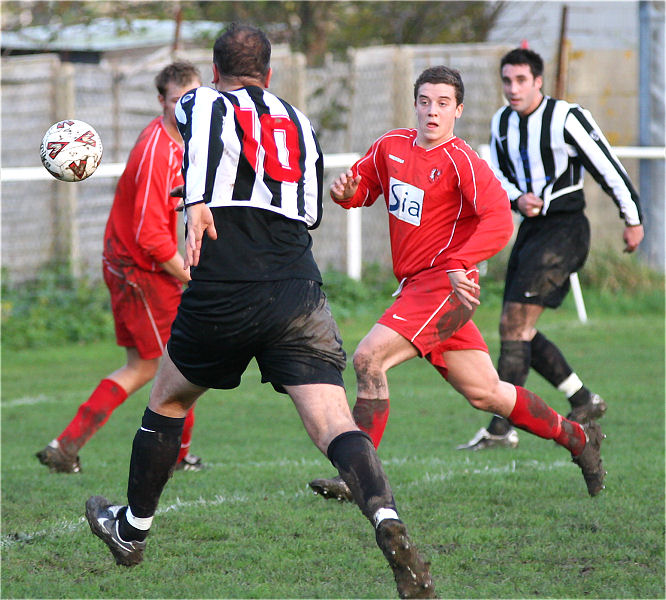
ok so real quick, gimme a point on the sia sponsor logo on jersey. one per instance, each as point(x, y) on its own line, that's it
point(405, 201)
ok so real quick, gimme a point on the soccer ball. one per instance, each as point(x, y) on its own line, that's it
point(71, 150)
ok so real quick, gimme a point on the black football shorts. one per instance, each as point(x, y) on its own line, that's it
point(286, 325)
point(547, 250)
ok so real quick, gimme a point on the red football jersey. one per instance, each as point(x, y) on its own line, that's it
point(142, 226)
point(446, 207)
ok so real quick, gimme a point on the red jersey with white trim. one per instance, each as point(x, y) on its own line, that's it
point(142, 226)
point(446, 207)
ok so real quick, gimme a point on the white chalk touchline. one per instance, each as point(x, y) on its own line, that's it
point(68, 526)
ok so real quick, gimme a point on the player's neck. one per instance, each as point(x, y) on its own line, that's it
point(537, 102)
point(229, 84)
point(173, 132)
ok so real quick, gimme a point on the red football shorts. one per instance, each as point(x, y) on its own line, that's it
point(144, 305)
point(430, 316)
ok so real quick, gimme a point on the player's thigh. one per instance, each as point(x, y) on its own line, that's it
point(143, 306)
point(427, 311)
point(172, 395)
point(301, 343)
point(324, 410)
point(383, 348)
point(471, 372)
point(207, 353)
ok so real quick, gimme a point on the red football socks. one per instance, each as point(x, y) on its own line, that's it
point(532, 414)
point(92, 414)
point(186, 440)
point(371, 415)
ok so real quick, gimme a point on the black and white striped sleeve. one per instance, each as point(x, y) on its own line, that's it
point(598, 158)
point(200, 118)
point(500, 161)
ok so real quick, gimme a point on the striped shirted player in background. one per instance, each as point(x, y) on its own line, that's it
point(253, 186)
point(142, 269)
point(540, 148)
point(447, 211)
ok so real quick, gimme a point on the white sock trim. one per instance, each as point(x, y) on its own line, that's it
point(142, 523)
point(384, 513)
point(570, 385)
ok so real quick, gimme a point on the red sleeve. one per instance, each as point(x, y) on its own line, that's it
point(369, 189)
point(494, 228)
point(154, 222)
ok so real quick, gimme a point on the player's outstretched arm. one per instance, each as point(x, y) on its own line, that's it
point(199, 221)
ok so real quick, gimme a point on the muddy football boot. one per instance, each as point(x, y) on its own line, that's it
point(190, 462)
point(594, 409)
point(484, 440)
point(412, 574)
point(332, 488)
point(589, 460)
point(102, 517)
point(57, 461)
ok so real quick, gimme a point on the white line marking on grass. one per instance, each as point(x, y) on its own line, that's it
point(27, 400)
point(68, 526)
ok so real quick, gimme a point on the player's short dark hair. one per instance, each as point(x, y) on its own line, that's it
point(441, 74)
point(242, 51)
point(180, 72)
point(524, 56)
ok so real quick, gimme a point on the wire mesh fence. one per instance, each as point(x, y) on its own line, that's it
point(351, 102)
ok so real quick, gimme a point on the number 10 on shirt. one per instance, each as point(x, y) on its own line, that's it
point(279, 140)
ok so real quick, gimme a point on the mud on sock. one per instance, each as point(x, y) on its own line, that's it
point(354, 456)
point(371, 415)
point(532, 414)
point(513, 366)
point(91, 415)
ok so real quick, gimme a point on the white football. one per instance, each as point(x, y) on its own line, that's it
point(71, 150)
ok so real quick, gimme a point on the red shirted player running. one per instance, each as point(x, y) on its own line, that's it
point(142, 269)
point(447, 211)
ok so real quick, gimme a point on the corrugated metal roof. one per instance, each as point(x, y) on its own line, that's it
point(106, 34)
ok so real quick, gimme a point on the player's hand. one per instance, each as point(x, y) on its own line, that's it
point(344, 186)
point(199, 221)
point(178, 192)
point(530, 204)
point(465, 289)
point(632, 236)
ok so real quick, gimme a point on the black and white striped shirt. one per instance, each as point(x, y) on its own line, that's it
point(250, 148)
point(545, 153)
point(255, 161)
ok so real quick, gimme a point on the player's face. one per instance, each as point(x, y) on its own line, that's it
point(436, 113)
point(170, 99)
point(521, 88)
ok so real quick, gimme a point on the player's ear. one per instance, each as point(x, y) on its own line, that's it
point(459, 110)
point(268, 77)
point(538, 82)
point(216, 74)
point(162, 100)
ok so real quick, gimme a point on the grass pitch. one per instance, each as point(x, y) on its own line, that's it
point(494, 524)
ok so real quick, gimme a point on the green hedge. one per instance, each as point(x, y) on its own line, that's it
point(56, 308)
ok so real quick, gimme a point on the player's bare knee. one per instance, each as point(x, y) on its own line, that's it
point(365, 364)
